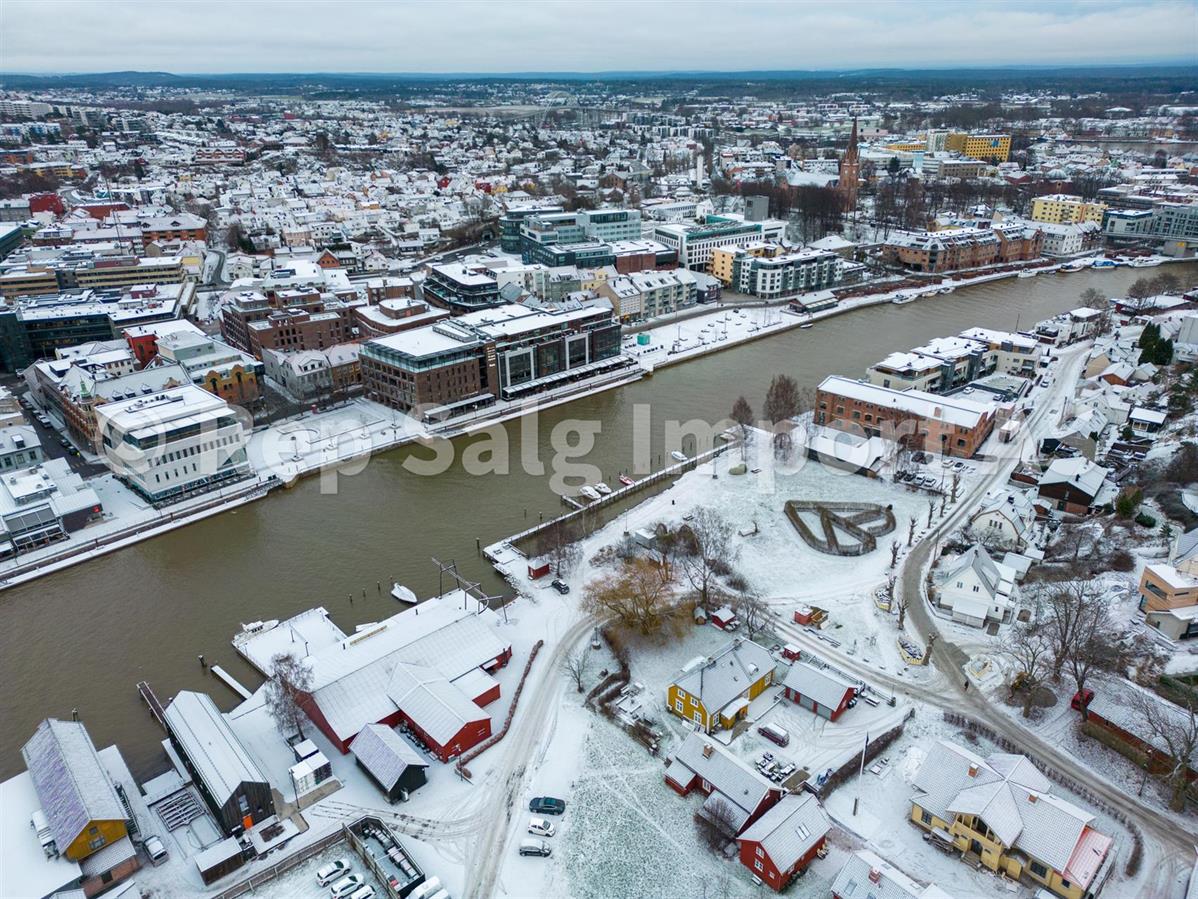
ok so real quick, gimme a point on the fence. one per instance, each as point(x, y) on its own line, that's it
point(487, 744)
point(616, 495)
point(283, 865)
point(1063, 780)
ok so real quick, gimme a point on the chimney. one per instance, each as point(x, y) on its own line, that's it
point(875, 876)
point(973, 770)
point(707, 750)
point(1032, 797)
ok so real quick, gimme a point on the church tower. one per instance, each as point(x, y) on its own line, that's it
point(850, 171)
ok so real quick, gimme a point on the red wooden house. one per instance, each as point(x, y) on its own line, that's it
point(783, 842)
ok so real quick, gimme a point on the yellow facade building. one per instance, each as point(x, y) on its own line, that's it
point(714, 693)
point(722, 258)
point(1065, 209)
point(987, 147)
point(1000, 812)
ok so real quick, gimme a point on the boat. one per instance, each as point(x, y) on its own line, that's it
point(1076, 266)
point(589, 492)
point(259, 627)
point(806, 325)
point(903, 300)
point(1144, 262)
point(947, 289)
point(1103, 264)
point(402, 593)
point(603, 488)
point(678, 456)
point(1026, 274)
point(626, 481)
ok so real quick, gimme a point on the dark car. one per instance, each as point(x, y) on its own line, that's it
point(547, 805)
point(560, 586)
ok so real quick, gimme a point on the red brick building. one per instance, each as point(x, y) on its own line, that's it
point(912, 418)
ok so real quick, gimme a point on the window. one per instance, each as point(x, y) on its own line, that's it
point(757, 864)
point(243, 804)
point(925, 816)
point(1039, 870)
point(678, 704)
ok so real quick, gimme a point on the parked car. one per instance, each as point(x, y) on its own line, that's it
point(535, 847)
point(363, 892)
point(541, 827)
point(155, 850)
point(547, 805)
point(560, 586)
point(332, 871)
point(347, 886)
point(774, 734)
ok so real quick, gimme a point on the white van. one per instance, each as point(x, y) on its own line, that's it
point(540, 827)
point(155, 850)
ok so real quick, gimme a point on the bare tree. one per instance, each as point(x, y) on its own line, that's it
point(931, 510)
point(290, 679)
point(1173, 730)
point(782, 404)
point(742, 414)
point(904, 602)
point(638, 596)
point(956, 485)
point(576, 665)
point(1069, 611)
point(708, 552)
point(911, 531)
point(753, 612)
point(558, 544)
point(1031, 652)
point(717, 823)
point(894, 551)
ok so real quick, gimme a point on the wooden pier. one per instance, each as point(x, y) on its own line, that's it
point(231, 682)
point(151, 700)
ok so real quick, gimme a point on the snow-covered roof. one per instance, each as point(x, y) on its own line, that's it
point(435, 705)
point(741, 785)
point(817, 684)
point(1078, 471)
point(385, 754)
point(72, 785)
point(1009, 794)
point(220, 760)
point(953, 410)
point(728, 673)
point(788, 830)
point(867, 876)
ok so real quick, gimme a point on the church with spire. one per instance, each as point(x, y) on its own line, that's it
point(850, 171)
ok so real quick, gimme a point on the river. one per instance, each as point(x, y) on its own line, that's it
point(82, 638)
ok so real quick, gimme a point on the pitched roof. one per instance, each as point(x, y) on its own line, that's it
point(727, 674)
point(385, 754)
point(788, 830)
point(866, 876)
point(1079, 472)
point(1009, 793)
point(739, 783)
point(819, 684)
point(220, 759)
point(72, 786)
point(435, 705)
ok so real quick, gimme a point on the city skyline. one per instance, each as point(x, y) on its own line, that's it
point(543, 37)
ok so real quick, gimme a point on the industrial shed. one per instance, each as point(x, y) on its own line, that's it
point(440, 714)
point(230, 780)
point(391, 762)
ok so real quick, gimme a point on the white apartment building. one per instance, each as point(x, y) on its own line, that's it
point(170, 444)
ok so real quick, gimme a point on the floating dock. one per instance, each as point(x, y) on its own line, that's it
point(231, 682)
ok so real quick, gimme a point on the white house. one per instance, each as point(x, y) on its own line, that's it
point(976, 589)
point(1005, 518)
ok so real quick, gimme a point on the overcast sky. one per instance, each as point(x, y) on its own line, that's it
point(583, 35)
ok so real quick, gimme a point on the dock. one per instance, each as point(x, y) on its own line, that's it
point(231, 682)
point(151, 700)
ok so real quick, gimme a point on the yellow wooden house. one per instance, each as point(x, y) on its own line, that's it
point(714, 693)
point(1000, 811)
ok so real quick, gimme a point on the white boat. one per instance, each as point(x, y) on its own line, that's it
point(589, 492)
point(902, 300)
point(678, 456)
point(403, 594)
point(626, 481)
point(603, 488)
point(1026, 274)
point(806, 325)
point(1144, 262)
point(258, 627)
point(947, 289)
point(1073, 266)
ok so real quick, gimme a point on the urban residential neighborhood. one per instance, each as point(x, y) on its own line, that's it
point(446, 456)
